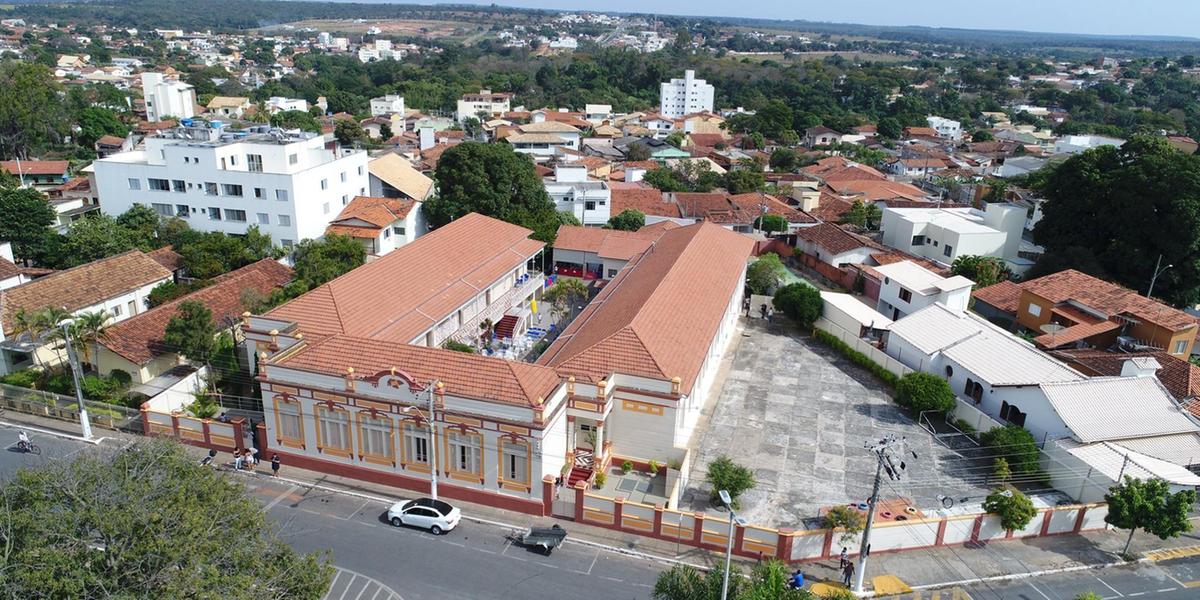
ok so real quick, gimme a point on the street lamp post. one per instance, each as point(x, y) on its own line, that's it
point(1158, 270)
point(433, 461)
point(84, 424)
point(728, 502)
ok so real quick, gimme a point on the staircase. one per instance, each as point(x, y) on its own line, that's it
point(581, 470)
point(506, 327)
point(576, 475)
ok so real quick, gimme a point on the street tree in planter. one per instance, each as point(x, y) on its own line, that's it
point(1150, 505)
point(920, 392)
point(848, 519)
point(767, 581)
point(800, 302)
point(724, 474)
point(764, 275)
point(1014, 508)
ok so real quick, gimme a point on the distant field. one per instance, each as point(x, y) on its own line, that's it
point(807, 56)
point(397, 27)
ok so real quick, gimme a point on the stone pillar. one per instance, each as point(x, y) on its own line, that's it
point(1046, 517)
point(618, 511)
point(976, 528)
point(658, 519)
point(1079, 519)
point(580, 486)
point(698, 529)
point(783, 544)
point(827, 545)
point(239, 425)
point(739, 535)
point(941, 533)
point(548, 493)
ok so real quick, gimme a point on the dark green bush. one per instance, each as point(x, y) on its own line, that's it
point(920, 392)
point(26, 378)
point(1016, 445)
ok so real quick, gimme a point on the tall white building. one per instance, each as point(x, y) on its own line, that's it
point(946, 128)
point(387, 105)
point(290, 184)
point(167, 98)
point(680, 97)
point(571, 190)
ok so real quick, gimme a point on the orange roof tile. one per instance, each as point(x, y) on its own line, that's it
point(833, 238)
point(1180, 377)
point(1106, 297)
point(379, 212)
point(1004, 296)
point(648, 200)
point(36, 167)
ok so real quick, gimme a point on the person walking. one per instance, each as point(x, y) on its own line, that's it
point(843, 558)
point(238, 459)
point(275, 465)
point(848, 573)
point(762, 310)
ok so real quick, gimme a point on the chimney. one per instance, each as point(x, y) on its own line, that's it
point(426, 138)
point(1141, 366)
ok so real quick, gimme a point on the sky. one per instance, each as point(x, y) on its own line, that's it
point(1109, 17)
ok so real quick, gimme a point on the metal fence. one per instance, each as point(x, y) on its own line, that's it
point(65, 408)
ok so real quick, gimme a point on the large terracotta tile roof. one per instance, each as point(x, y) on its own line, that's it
point(753, 202)
point(833, 238)
point(401, 294)
point(1004, 296)
point(36, 167)
point(140, 339)
point(837, 168)
point(167, 257)
point(1106, 297)
point(377, 212)
point(648, 200)
point(82, 286)
point(548, 127)
point(649, 320)
point(593, 239)
point(873, 189)
point(1180, 377)
point(463, 374)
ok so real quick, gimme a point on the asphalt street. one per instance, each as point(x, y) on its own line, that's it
point(1167, 580)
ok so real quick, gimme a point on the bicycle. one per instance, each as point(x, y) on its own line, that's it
point(30, 448)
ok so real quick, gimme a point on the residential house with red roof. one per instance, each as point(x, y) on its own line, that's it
point(380, 224)
point(41, 174)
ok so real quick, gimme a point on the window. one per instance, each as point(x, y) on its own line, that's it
point(286, 243)
point(398, 229)
point(178, 185)
point(260, 193)
point(222, 163)
point(233, 160)
point(135, 183)
point(233, 214)
point(325, 207)
point(360, 170)
point(466, 452)
point(214, 213)
point(293, 159)
point(116, 310)
point(324, 184)
point(281, 195)
point(345, 199)
point(264, 219)
point(514, 462)
point(387, 233)
point(289, 426)
point(375, 438)
point(210, 188)
point(165, 210)
point(947, 249)
point(1034, 310)
point(1180, 347)
point(918, 240)
point(231, 189)
point(254, 163)
point(284, 220)
point(132, 307)
point(343, 177)
point(589, 205)
point(949, 371)
point(905, 295)
point(333, 430)
point(159, 185)
point(182, 211)
point(416, 444)
point(612, 273)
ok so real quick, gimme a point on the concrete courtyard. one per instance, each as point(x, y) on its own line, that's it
point(799, 414)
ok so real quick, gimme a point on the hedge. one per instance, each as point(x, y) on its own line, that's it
point(887, 377)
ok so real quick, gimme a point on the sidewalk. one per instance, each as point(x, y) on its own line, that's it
point(928, 568)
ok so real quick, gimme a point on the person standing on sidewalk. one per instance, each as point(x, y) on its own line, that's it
point(237, 460)
point(843, 558)
point(275, 465)
point(848, 573)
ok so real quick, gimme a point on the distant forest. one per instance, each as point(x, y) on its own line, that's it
point(247, 14)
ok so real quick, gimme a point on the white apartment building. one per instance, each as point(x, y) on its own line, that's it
point(680, 97)
point(908, 287)
point(289, 184)
point(944, 234)
point(946, 128)
point(167, 98)
point(571, 190)
point(387, 105)
point(597, 113)
point(492, 104)
point(277, 104)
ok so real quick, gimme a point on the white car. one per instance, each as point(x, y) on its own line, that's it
point(426, 513)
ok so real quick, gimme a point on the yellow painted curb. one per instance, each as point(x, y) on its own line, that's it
point(1173, 553)
point(886, 585)
point(825, 589)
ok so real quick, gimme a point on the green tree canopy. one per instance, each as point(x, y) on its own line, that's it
point(770, 223)
point(192, 332)
point(768, 580)
point(863, 214)
point(25, 217)
point(1149, 504)
point(919, 391)
point(1016, 445)
point(741, 181)
point(89, 239)
point(1014, 508)
point(348, 132)
point(317, 262)
point(295, 119)
point(800, 302)
point(630, 219)
point(32, 114)
point(983, 270)
point(147, 524)
point(493, 180)
point(1126, 207)
point(724, 474)
point(784, 159)
point(764, 275)
point(96, 122)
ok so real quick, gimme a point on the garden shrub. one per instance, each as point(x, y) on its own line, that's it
point(920, 392)
point(887, 377)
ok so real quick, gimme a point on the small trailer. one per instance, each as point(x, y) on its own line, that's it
point(546, 538)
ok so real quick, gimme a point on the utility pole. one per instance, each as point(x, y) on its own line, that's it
point(884, 460)
point(84, 423)
point(1158, 270)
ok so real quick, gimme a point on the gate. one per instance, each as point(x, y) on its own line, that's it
point(564, 502)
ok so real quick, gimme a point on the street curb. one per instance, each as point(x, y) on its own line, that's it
point(583, 542)
point(1029, 575)
point(94, 441)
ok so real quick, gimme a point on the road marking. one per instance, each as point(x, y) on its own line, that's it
point(363, 591)
point(1035, 588)
point(280, 498)
point(1177, 582)
point(1165, 590)
point(1102, 582)
point(93, 441)
point(1191, 584)
point(1133, 595)
point(347, 590)
point(593, 565)
point(1171, 553)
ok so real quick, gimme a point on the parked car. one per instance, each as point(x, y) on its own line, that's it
point(426, 513)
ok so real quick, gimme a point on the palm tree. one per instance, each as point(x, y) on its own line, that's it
point(487, 330)
point(89, 329)
point(566, 294)
point(48, 319)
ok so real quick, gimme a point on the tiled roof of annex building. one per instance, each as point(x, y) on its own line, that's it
point(405, 292)
point(657, 318)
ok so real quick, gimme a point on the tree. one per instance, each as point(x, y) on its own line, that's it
point(1001, 470)
point(90, 239)
point(142, 222)
point(349, 132)
point(983, 270)
point(637, 152)
point(568, 292)
point(493, 180)
point(295, 119)
point(800, 302)
point(768, 580)
point(764, 275)
point(889, 128)
point(25, 217)
point(316, 262)
point(724, 474)
point(863, 214)
point(783, 159)
point(89, 328)
point(96, 122)
point(32, 115)
point(192, 332)
point(385, 132)
point(1016, 445)
point(846, 518)
point(982, 135)
point(770, 223)
point(152, 523)
point(675, 139)
point(920, 392)
point(1126, 207)
point(630, 219)
point(1014, 508)
point(741, 181)
point(1148, 504)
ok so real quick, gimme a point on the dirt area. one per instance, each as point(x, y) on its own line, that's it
point(396, 27)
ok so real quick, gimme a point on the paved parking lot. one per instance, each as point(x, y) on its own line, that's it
point(799, 414)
